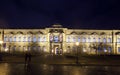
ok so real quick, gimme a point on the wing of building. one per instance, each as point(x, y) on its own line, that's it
point(59, 40)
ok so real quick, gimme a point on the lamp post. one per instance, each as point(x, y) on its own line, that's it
point(1, 42)
point(77, 44)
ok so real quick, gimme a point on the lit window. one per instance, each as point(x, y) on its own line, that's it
point(5, 39)
point(19, 39)
point(98, 39)
point(109, 49)
point(44, 39)
point(109, 40)
point(118, 49)
point(118, 40)
point(74, 39)
point(89, 40)
point(39, 39)
point(24, 39)
point(51, 37)
point(105, 50)
point(94, 39)
point(10, 39)
point(14, 39)
point(68, 39)
point(104, 40)
point(34, 39)
point(84, 39)
point(29, 39)
point(79, 39)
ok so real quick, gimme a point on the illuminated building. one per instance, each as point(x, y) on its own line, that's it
point(59, 40)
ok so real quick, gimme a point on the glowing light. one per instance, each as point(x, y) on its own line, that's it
point(77, 43)
point(52, 50)
point(105, 50)
point(1, 42)
point(84, 50)
point(26, 49)
point(6, 49)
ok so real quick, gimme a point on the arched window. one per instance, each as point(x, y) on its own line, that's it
point(10, 39)
point(14, 39)
point(24, 39)
point(29, 39)
point(109, 49)
point(84, 49)
point(34, 39)
point(84, 39)
point(89, 39)
point(74, 39)
point(78, 39)
point(19, 48)
point(38, 39)
point(99, 40)
point(5, 39)
point(44, 39)
point(19, 39)
point(94, 39)
point(118, 40)
point(105, 50)
point(68, 39)
point(104, 40)
point(109, 40)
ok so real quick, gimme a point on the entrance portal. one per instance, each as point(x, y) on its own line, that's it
point(56, 49)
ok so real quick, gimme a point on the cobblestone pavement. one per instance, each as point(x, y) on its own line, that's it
point(43, 69)
point(58, 59)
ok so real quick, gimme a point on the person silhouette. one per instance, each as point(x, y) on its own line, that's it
point(29, 57)
point(26, 57)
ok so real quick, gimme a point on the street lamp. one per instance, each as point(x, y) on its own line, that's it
point(1, 42)
point(77, 44)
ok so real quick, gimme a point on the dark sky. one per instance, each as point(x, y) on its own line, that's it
point(97, 14)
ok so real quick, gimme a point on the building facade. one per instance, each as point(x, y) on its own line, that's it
point(59, 40)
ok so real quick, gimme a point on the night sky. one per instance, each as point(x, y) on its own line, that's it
point(92, 14)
